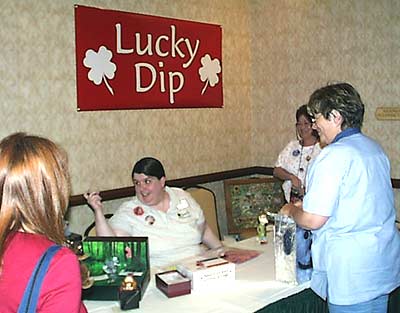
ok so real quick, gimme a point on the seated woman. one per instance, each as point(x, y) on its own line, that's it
point(169, 217)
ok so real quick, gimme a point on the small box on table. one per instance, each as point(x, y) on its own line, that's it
point(203, 272)
point(172, 283)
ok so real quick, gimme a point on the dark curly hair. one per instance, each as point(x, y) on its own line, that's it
point(302, 111)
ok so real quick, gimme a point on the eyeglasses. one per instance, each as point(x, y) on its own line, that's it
point(315, 117)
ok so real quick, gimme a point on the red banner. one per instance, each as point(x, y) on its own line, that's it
point(135, 61)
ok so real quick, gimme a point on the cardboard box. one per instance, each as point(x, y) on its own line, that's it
point(173, 283)
point(204, 272)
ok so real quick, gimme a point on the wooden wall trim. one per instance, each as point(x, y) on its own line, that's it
point(218, 176)
point(113, 194)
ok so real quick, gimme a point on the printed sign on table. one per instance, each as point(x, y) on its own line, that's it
point(136, 61)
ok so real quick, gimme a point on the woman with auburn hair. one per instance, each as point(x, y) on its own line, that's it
point(35, 188)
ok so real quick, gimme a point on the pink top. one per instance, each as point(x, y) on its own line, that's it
point(61, 288)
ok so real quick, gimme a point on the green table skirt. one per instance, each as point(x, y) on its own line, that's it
point(308, 302)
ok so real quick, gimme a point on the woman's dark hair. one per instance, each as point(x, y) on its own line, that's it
point(341, 97)
point(150, 167)
point(302, 111)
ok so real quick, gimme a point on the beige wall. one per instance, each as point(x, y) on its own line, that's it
point(39, 95)
point(298, 46)
point(275, 53)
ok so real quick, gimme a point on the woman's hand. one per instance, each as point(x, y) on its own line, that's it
point(304, 219)
point(217, 252)
point(94, 201)
point(286, 209)
point(296, 182)
point(289, 208)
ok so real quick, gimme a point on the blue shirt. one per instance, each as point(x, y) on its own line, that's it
point(356, 253)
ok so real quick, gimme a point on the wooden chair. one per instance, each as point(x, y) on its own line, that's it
point(206, 199)
point(91, 229)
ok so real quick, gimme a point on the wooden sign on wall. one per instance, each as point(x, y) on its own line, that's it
point(388, 113)
point(135, 61)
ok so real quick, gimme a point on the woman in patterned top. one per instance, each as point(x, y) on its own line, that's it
point(295, 158)
point(292, 166)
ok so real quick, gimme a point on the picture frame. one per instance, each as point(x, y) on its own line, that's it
point(247, 198)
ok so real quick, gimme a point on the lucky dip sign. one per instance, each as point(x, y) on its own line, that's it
point(135, 61)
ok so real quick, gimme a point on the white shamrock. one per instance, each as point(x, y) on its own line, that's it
point(100, 66)
point(208, 72)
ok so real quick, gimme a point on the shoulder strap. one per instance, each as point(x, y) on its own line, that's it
point(31, 295)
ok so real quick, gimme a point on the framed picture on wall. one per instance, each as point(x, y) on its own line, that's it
point(247, 198)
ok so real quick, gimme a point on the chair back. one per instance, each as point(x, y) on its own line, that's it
point(91, 229)
point(206, 199)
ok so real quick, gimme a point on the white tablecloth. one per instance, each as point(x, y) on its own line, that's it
point(254, 287)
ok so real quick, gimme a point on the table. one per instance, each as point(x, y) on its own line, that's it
point(253, 289)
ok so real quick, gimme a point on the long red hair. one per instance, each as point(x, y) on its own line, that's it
point(34, 187)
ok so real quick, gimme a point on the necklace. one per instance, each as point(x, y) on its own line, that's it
point(308, 159)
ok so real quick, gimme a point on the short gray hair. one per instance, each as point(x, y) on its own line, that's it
point(341, 97)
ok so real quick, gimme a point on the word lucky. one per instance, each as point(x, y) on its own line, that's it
point(175, 50)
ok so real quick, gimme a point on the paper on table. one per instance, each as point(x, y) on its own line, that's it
point(238, 256)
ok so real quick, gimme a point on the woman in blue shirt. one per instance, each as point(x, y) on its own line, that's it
point(349, 206)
